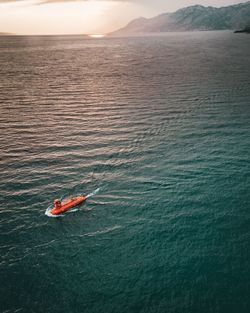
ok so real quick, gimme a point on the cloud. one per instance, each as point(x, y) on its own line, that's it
point(52, 1)
point(160, 4)
point(63, 1)
point(41, 2)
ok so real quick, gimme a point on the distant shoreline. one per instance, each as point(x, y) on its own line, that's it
point(111, 35)
point(6, 34)
point(245, 30)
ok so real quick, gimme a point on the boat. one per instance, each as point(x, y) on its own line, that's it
point(64, 206)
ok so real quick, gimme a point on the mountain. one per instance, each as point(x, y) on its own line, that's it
point(192, 18)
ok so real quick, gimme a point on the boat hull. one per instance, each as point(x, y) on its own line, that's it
point(69, 204)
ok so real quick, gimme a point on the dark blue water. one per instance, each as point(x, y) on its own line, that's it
point(162, 126)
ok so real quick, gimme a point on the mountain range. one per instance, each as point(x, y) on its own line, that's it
point(193, 18)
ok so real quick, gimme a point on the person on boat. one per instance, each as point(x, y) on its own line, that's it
point(57, 204)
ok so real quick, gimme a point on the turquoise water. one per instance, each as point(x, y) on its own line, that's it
point(162, 126)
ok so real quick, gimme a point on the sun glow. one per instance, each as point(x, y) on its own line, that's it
point(96, 35)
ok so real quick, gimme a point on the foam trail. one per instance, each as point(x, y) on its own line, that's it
point(73, 210)
point(93, 193)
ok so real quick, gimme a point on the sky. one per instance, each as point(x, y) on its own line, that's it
point(39, 17)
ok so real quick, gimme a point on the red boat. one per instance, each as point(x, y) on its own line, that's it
point(61, 207)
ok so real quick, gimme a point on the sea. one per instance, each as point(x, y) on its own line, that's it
point(157, 129)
